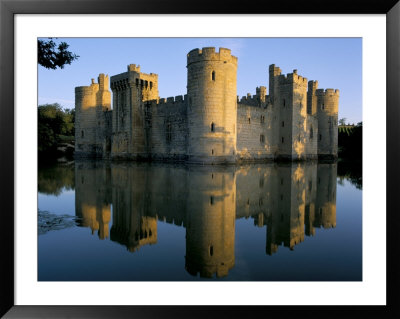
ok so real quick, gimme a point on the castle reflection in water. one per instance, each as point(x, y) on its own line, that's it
point(290, 199)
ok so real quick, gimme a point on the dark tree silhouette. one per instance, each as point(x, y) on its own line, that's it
point(52, 55)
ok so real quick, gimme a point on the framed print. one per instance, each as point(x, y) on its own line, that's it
point(112, 214)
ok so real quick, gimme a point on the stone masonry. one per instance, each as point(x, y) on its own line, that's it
point(209, 124)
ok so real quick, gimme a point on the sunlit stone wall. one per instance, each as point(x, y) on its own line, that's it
point(212, 105)
point(92, 119)
point(130, 90)
point(209, 124)
point(327, 112)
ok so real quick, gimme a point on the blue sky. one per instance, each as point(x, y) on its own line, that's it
point(334, 62)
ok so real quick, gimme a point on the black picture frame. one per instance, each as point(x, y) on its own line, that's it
point(10, 8)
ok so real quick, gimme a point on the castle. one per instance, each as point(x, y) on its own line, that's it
point(209, 124)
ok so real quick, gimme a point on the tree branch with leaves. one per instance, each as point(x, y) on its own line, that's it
point(52, 55)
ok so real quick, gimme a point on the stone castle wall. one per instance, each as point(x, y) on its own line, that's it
point(166, 128)
point(296, 121)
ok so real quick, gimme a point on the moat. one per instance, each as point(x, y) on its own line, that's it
point(162, 222)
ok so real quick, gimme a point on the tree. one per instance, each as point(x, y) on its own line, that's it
point(342, 121)
point(54, 126)
point(52, 56)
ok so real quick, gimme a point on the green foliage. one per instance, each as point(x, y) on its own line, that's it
point(53, 179)
point(350, 141)
point(55, 126)
point(52, 56)
point(350, 171)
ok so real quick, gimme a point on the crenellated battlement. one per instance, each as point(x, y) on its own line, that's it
point(274, 70)
point(252, 100)
point(292, 78)
point(167, 101)
point(327, 92)
point(209, 54)
point(312, 85)
point(134, 68)
point(210, 123)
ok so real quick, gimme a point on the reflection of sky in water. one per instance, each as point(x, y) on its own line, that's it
point(77, 254)
point(63, 204)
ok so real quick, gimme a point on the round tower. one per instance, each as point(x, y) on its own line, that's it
point(85, 116)
point(212, 105)
point(91, 102)
point(327, 114)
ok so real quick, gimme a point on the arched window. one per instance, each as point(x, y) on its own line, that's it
point(213, 127)
point(82, 134)
point(213, 75)
point(168, 134)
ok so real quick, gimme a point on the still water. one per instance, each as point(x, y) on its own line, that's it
point(138, 221)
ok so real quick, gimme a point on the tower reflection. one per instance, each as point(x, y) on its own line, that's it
point(291, 200)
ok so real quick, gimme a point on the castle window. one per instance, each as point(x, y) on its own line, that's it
point(283, 124)
point(323, 106)
point(320, 137)
point(141, 82)
point(212, 127)
point(137, 82)
point(284, 102)
point(261, 183)
point(249, 120)
point(168, 134)
point(212, 152)
point(283, 140)
point(146, 84)
point(82, 134)
point(211, 250)
point(262, 138)
point(211, 200)
point(151, 85)
point(213, 75)
point(311, 133)
point(262, 119)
